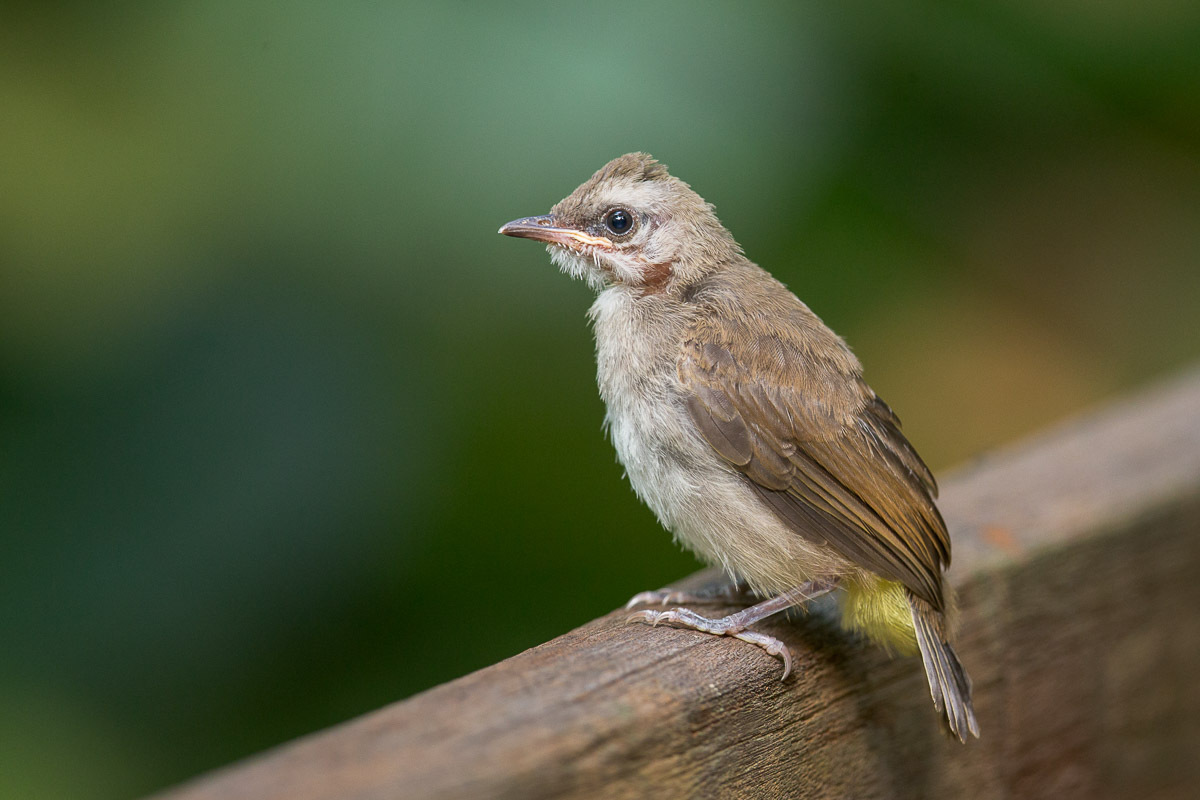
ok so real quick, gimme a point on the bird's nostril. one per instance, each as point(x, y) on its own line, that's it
point(543, 222)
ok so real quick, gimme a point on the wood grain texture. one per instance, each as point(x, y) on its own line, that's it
point(1077, 559)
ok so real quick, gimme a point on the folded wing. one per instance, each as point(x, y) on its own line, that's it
point(817, 445)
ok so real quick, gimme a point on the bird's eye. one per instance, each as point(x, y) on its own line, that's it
point(619, 221)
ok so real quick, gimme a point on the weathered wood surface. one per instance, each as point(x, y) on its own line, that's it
point(1077, 557)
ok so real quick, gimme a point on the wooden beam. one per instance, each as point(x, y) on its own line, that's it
point(1077, 558)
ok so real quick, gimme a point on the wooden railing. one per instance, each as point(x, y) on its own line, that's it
point(1077, 560)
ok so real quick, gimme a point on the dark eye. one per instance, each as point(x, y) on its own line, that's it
point(619, 221)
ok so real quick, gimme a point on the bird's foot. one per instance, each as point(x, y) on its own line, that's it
point(733, 593)
point(735, 624)
point(725, 626)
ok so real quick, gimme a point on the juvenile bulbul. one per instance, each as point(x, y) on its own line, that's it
point(745, 424)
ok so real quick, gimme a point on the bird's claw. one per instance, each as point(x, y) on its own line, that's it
point(652, 618)
point(684, 618)
point(773, 647)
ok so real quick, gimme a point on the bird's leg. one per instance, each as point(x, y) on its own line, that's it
point(731, 592)
point(735, 624)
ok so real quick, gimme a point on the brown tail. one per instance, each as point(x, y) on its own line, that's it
point(948, 681)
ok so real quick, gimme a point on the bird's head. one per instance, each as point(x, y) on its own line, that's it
point(633, 224)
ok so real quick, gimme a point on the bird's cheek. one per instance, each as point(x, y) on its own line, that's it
point(652, 273)
point(623, 268)
point(656, 274)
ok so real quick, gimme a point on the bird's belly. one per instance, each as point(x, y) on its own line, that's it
point(706, 504)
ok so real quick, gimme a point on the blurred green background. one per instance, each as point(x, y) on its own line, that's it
point(287, 432)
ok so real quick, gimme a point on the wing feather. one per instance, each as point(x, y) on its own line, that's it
point(822, 451)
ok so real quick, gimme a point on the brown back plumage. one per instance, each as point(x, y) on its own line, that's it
point(820, 449)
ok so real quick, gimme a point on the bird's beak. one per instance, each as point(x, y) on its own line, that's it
point(543, 229)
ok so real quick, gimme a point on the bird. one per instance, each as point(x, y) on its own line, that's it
point(745, 424)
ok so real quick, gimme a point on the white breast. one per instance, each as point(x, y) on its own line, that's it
point(693, 492)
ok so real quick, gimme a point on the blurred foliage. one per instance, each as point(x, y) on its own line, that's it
point(287, 432)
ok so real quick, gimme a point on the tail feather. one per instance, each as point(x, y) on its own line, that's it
point(948, 681)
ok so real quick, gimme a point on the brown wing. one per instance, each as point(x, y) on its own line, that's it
point(792, 413)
